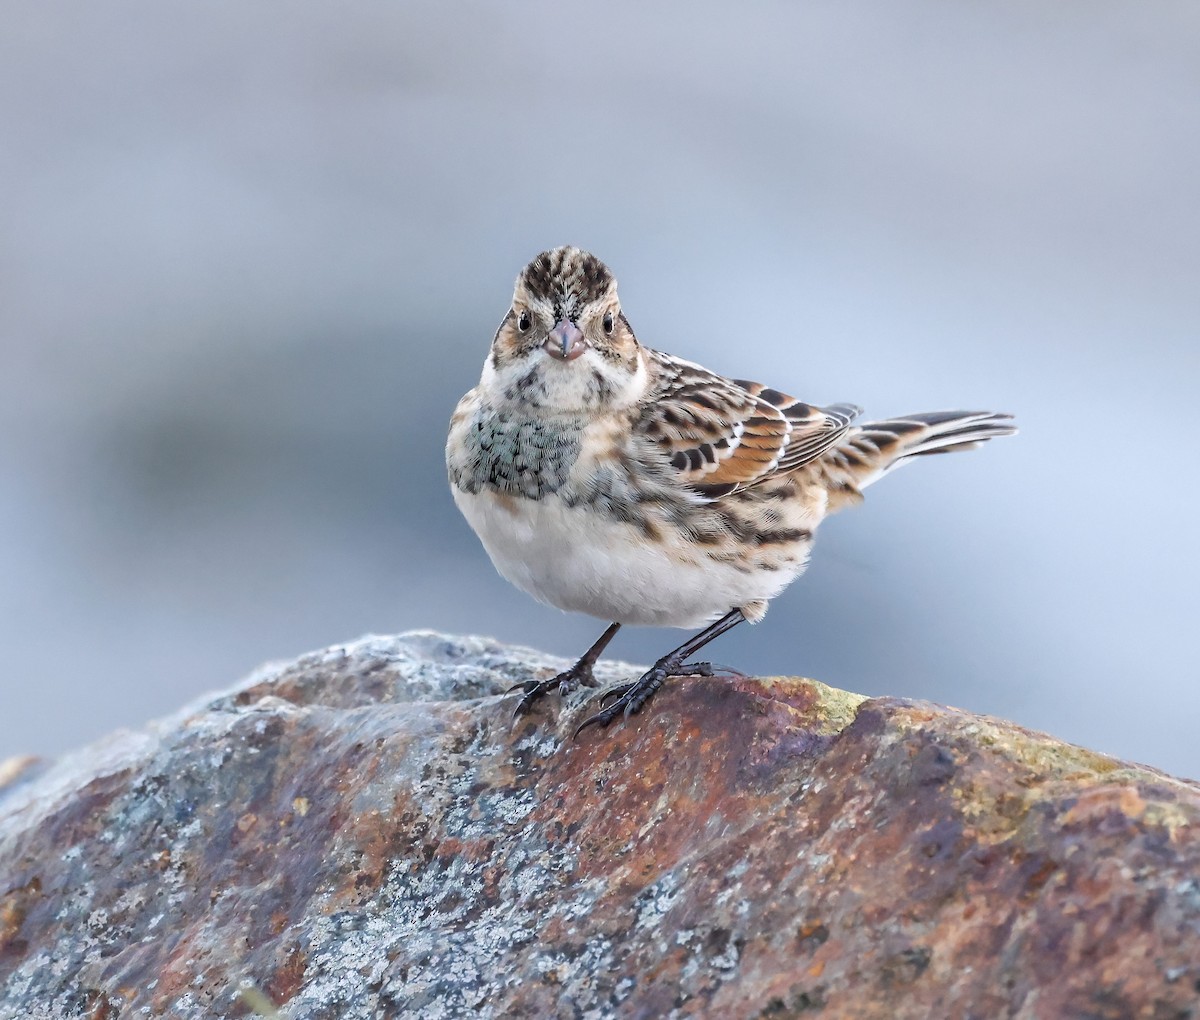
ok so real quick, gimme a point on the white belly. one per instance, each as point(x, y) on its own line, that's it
point(577, 559)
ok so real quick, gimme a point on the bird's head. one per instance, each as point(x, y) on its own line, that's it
point(564, 345)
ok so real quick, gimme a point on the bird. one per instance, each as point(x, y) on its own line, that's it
point(609, 478)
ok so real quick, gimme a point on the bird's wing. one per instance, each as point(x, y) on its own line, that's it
point(721, 435)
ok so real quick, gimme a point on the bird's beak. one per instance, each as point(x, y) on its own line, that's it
point(565, 341)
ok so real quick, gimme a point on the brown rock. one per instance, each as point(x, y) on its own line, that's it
point(363, 833)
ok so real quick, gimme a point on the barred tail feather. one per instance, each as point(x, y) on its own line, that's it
point(874, 448)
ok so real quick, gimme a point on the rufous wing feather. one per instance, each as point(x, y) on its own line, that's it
point(722, 435)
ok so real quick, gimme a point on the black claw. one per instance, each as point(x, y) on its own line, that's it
point(707, 669)
point(586, 723)
point(565, 683)
point(534, 689)
point(523, 706)
point(695, 669)
point(615, 692)
point(602, 719)
point(607, 715)
point(719, 670)
point(632, 697)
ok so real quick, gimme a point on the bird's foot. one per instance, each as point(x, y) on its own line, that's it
point(631, 697)
point(565, 682)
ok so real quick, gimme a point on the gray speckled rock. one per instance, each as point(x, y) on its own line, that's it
point(363, 833)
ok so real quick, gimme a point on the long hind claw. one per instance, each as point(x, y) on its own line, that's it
point(709, 669)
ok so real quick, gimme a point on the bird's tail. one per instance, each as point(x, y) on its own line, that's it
point(872, 449)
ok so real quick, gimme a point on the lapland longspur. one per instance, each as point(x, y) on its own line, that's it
point(608, 478)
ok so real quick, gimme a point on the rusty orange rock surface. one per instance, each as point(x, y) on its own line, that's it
point(364, 833)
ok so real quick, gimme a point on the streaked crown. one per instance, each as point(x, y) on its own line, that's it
point(566, 280)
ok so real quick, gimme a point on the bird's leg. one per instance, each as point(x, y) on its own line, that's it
point(580, 673)
point(631, 697)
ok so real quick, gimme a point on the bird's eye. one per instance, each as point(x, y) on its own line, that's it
point(524, 322)
point(608, 323)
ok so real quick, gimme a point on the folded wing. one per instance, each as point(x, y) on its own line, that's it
point(722, 435)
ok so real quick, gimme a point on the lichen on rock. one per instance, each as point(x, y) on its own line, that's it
point(365, 832)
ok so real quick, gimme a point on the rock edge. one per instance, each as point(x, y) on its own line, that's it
point(364, 833)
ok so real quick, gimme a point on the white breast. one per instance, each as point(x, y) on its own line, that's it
point(577, 559)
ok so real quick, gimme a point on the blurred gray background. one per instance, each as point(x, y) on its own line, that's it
point(251, 255)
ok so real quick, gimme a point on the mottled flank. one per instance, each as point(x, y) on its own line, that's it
point(362, 833)
point(516, 455)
